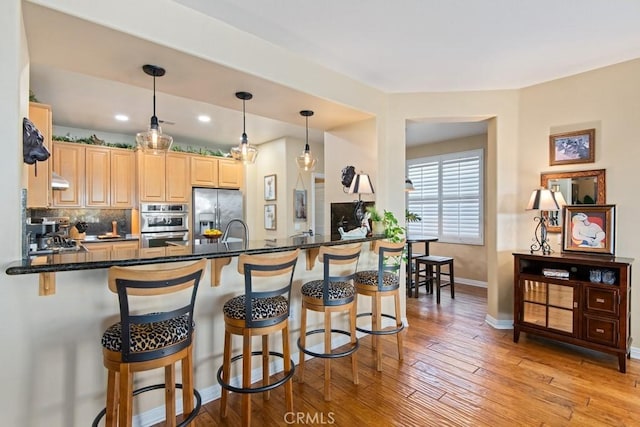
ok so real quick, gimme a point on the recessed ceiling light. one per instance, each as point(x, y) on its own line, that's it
point(204, 119)
point(122, 118)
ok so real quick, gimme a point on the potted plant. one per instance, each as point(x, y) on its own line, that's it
point(377, 224)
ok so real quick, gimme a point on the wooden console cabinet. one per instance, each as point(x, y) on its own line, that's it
point(574, 309)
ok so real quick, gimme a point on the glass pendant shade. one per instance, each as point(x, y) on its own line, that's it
point(305, 161)
point(153, 140)
point(244, 152)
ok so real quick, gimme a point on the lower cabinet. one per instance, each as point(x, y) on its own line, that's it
point(554, 298)
point(102, 251)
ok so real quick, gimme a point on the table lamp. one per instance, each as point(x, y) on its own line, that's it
point(361, 184)
point(543, 200)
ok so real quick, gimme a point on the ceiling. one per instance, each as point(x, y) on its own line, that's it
point(408, 46)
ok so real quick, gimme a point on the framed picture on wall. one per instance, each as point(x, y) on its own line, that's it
point(270, 217)
point(300, 205)
point(270, 187)
point(589, 228)
point(572, 147)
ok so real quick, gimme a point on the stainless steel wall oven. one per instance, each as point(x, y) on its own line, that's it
point(163, 222)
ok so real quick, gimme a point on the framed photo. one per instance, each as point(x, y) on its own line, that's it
point(300, 205)
point(270, 187)
point(589, 229)
point(270, 217)
point(572, 147)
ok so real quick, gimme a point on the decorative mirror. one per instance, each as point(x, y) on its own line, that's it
point(580, 187)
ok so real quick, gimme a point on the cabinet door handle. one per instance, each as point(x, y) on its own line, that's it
point(600, 300)
point(600, 331)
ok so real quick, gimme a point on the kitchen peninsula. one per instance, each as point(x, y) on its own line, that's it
point(219, 252)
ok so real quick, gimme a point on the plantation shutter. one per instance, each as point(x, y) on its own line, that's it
point(448, 197)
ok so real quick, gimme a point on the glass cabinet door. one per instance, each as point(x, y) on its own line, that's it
point(549, 305)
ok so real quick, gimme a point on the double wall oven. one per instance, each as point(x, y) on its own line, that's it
point(163, 222)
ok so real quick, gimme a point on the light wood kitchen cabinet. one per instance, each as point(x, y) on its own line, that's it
point(39, 185)
point(164, 177)
point(204, 171)
point(98, 177)
point(101, 251)
point(68, 162)
point(123, 178)
point(177, 178)
point(230, 173)
point(152, 174)
point(215, 172)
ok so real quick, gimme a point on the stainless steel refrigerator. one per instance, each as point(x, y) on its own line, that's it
point(214, 208)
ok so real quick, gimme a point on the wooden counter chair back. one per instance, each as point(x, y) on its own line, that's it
point(262, 310)
point(157, 335)
point(334, 293)
point(385, 281)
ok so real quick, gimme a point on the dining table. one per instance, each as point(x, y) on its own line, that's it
point(410, 241)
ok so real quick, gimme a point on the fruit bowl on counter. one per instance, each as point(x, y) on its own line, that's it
point(212, 234)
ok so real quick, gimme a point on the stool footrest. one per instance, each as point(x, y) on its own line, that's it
point(192, 415)
point(260, 389)
point(382, 331)
point(332, 355)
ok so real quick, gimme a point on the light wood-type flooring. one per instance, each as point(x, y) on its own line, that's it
point(457, 371)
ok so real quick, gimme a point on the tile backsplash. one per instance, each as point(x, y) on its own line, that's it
point(98, 220)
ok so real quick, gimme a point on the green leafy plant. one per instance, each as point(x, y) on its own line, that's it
point(374, 215)
point(411, 217)
point(392, 229)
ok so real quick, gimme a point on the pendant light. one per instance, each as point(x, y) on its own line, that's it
point(153, 140)
point(244, 152)
point(306, 162)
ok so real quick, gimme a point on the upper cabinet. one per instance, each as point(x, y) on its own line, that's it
point(215, 172)
point(68, 162)
point(230, 173)
point(39, 180)
point(164, 177)
point(99, 177)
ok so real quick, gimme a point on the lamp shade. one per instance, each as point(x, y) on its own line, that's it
point(557, 195)
point(408, 185)
point(361, 184)
point(543, 200)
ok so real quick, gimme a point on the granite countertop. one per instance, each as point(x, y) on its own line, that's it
point(186, 251)
point(123, 238)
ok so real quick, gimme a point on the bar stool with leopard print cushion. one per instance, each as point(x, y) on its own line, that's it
point(262, 310)
point(385, 281)
point(334, 293)
point(160, 339)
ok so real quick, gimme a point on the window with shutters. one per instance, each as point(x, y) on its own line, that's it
point(448, 197)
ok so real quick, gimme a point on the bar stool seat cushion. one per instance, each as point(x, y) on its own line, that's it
point(337, 290)
point(370, 278)
point(262, 308)
point(148, 336)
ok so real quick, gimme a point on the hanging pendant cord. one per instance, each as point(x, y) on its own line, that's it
point(154, 94)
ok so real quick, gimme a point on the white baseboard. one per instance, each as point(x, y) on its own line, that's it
point(471, 282)
point(498, 324)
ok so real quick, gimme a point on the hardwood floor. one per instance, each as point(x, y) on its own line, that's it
point(457, 371)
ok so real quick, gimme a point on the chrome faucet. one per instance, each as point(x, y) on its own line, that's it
point(225, 235)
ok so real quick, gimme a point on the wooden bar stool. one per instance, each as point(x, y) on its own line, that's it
point(433, 265)
point(385, 281)
point(140, 342)
point(334, 293)
point(259, 313)
point(411, 273)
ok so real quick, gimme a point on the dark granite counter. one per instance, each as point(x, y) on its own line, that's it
point(203, 248)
